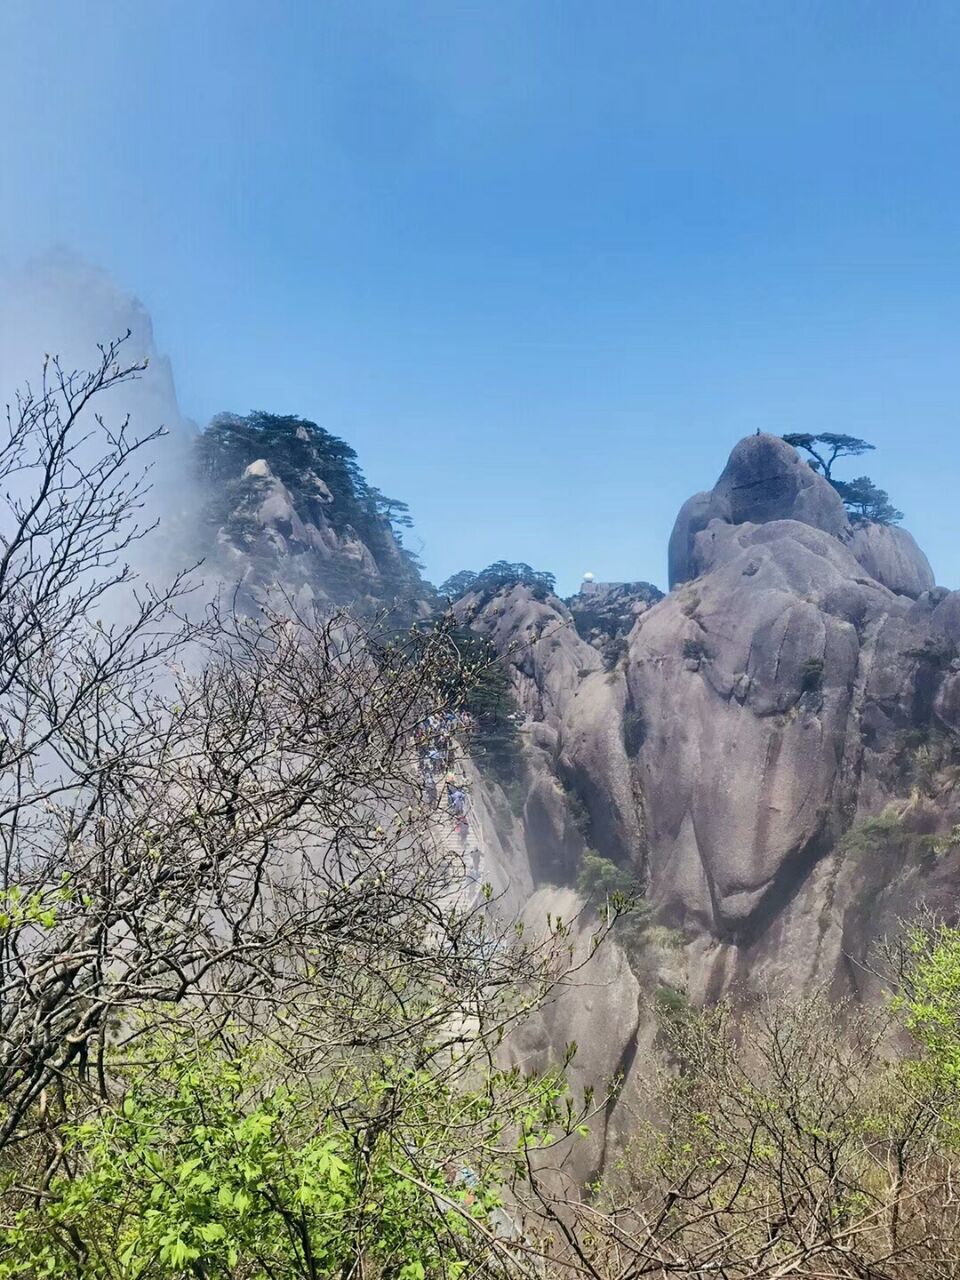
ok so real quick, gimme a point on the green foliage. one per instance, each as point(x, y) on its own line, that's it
point(930, 1003)
point(672, 1006)
point(488, 696)
point(457, 585)
point(940, 846)
point(208, 1167)
point(926, 759)
point(866, 501)
point(825, 447)
point(887, 834)
point(577, 808)
point(862, 498)
point(694, 650)
point(495, 577)
point(872, 836)
point(319, 470)
point(39, 907)
point(617, 892)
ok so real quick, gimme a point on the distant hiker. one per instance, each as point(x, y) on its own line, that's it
point(472, 875)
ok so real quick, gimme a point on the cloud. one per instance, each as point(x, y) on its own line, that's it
point(60, 305)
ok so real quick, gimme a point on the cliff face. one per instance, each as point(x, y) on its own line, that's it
point(772, 748)
point(286, 505)
point(760, 710)
point(275, 537)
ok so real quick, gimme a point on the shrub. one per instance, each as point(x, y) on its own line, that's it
point(618, 891)
point(811, 675)
point(578, 809)
point(634, 730)
point(672, 1006)
point(873, 835)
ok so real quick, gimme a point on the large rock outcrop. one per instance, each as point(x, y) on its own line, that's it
point(773, 749)
point(604, 613)
point(776, 698)
point(765, 479)
point(755, 680)
point(272, 537)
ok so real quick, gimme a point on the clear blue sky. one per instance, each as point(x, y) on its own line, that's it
point(541, 264)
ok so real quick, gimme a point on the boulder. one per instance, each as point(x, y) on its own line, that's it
point(891, 555)
point(765, 479)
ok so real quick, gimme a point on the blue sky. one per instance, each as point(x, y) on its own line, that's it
point(541, 264)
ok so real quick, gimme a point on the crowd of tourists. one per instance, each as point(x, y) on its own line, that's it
point(437, 742)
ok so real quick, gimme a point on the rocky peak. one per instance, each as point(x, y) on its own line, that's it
point(604, 613)
point(766, 480)
point(287, 505)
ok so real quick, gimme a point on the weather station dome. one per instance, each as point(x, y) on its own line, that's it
point(588, 576)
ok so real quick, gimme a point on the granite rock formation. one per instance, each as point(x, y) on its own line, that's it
point(773, 748)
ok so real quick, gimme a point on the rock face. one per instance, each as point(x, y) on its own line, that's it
point(285, 505)
point(754, 679)
point(765, 479)
point(273, 538)
point(800, 679)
